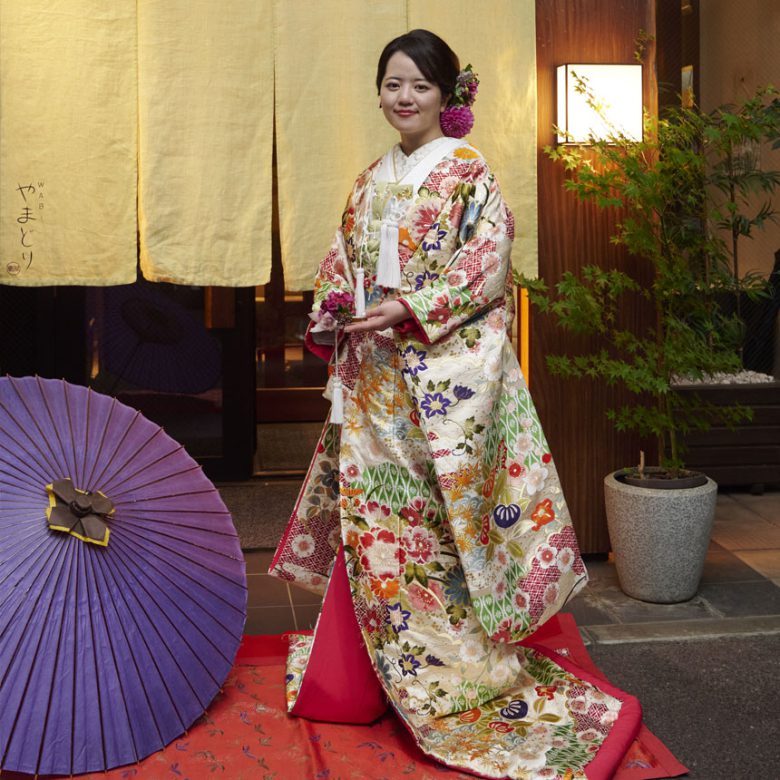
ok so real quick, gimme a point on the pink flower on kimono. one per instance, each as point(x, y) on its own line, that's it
point(534, 481)
point(457, 278)
point(546, 555)
point(373, 510)
point(418, 504)
point(491, 262)
point(521, 599)
point(379, 555)
point(495, 320)
point(425, 215)
point(589, 735)
point(420, 544)
point(494, 367)
point(303, 545)
point(578, 705)
point(551, 593)
point(353, 471)
point(525, 443)
point(541, 731)
point(425, 599)
point(499, 589)
point(565, 559)
point(412, 516)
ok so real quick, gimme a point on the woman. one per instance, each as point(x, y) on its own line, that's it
point(437, 491)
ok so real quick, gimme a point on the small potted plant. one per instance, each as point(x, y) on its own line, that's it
point(675, 190)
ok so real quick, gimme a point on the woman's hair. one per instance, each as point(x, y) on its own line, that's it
point(435, 59)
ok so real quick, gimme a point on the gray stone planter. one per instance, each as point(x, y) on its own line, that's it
point(660, 538)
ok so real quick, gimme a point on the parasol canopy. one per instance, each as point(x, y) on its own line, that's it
point(154, 342)
point(122, 582)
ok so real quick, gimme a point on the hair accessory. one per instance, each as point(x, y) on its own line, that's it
point(457, 119)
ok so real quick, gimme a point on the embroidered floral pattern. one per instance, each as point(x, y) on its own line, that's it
point(451, 564)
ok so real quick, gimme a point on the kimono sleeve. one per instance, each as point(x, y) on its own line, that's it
point(333, 274)
point(480, 227)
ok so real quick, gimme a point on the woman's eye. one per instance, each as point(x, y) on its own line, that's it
point(391, 85)
point(422, 87)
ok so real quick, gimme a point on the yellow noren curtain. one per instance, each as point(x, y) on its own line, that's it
point(501, 46)
point(328, 124)
point(180, 93)
point(205, 86)
point(329, 128)
point(67, 142)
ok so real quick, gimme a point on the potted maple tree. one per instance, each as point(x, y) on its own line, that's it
point(677, 191)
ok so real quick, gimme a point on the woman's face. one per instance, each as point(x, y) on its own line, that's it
point(410, 102)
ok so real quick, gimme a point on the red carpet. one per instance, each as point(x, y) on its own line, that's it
point(247, 735)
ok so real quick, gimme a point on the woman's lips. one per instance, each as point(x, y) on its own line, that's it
point(406, 113)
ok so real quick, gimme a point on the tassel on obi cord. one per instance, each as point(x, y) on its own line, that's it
point(360, 293)
point(388, 272)
point(336, 388)
point(337, 402)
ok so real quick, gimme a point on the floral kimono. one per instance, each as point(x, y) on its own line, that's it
point(441, 490)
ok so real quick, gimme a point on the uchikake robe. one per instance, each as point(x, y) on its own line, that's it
point(442, 490)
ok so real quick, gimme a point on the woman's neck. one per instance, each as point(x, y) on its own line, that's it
point(411, 143)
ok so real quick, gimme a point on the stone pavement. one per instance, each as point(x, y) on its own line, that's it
point(739, 594)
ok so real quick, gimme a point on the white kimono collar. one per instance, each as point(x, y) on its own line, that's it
point(439, 149)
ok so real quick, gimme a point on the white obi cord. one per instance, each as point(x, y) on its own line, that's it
point(388, 273)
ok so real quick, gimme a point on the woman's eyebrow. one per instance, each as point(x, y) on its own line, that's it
point(400, 78)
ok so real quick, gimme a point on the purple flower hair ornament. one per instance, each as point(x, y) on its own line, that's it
point(457, 119)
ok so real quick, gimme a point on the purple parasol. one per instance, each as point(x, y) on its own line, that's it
point(122, 582)
point(155, 343)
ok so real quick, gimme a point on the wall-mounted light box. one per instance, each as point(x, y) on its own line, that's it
point(616, 88)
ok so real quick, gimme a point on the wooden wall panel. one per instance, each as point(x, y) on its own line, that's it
point(573, 234)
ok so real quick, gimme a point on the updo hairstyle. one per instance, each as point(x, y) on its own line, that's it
point(435, 59)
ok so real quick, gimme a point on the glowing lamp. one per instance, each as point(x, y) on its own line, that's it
point(615, 89)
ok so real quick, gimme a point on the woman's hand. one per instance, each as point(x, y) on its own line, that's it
point(380, 317)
